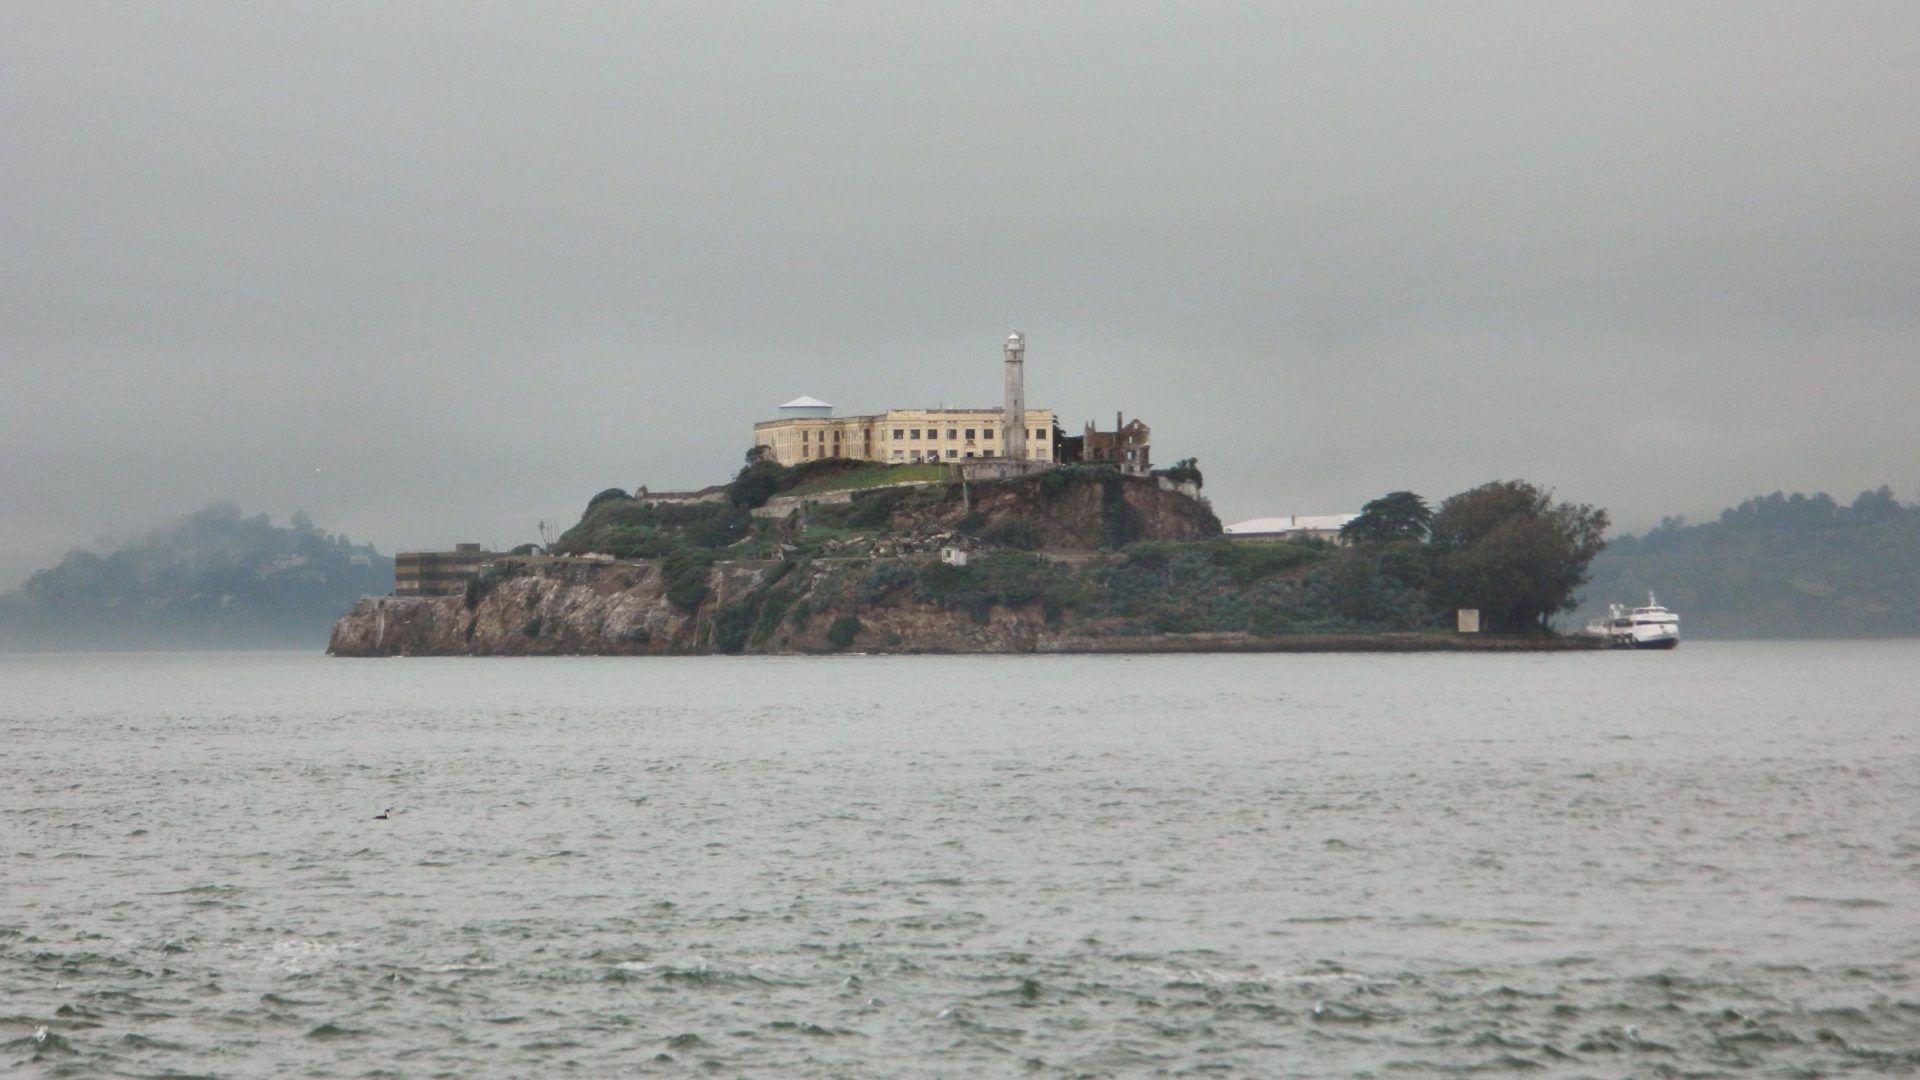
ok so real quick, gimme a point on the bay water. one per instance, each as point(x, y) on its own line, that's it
point(1697, 863)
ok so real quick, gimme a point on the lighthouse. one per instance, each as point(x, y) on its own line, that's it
point(1013, 444)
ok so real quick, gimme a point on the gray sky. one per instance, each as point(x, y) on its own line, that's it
point(431, 272)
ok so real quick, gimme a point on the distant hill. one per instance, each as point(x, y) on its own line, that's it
point(213, 579)
point(1780, 566)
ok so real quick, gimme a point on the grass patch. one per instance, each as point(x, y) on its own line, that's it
point(871, 476)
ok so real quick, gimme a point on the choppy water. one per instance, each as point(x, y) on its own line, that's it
point(1686, 864)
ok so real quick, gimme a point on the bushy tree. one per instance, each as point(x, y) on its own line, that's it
point(757, 481)
point(1509, 550)
point(1397, 515)
point(1184, 471)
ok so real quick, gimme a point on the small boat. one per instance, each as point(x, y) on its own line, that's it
point(1649, 627)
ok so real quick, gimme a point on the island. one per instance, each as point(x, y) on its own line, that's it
point(839, 555)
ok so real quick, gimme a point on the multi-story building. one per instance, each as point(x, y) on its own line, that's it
point(899, 436)
point(808, 431)
point(437, 573)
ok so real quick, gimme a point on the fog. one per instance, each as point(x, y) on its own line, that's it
point(433, 272)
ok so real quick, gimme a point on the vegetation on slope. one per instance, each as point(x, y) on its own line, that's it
point(213, 579)
point(1505, 548)
point(1777, 566)
point(871, 476)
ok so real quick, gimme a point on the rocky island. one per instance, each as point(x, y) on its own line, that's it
point(844, 556)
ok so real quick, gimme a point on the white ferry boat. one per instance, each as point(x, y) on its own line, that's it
point(1650, 627)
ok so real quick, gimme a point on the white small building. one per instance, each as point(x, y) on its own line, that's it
point(1291, 527)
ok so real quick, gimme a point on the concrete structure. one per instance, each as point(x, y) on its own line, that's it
point(1013, 415)
point(1292, 527)
point(437, 573)
point(1128, 445)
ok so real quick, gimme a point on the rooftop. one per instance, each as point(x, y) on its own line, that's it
point(1289, 523)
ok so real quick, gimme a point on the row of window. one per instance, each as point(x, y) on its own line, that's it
point(932, 455)
point(903, 434)
point(985, 434)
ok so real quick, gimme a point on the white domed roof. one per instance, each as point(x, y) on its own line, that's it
point(804, 402)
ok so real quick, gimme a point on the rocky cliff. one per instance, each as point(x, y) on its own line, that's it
point(1002, 604)
point(1060, 511)
point(538, 606)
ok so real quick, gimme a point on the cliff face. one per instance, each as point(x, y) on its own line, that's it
point(688, 602)
point(1065, 514)
point(536, 607)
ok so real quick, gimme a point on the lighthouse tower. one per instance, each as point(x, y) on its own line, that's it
point(1013, 443)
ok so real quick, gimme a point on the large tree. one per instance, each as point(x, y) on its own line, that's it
point(1509, 550)
point(1397, 515)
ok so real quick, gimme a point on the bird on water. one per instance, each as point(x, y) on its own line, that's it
point(382, 815)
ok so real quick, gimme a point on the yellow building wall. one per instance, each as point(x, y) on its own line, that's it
point(902, 436)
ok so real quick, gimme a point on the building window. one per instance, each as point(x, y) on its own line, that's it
point(953, 433)
point(915, 433)
point(1040, 433)
point(969, 435)
point(986, 433)
point(1129, 455)
point(969, 453)
point(896, 455)
point(899, 433)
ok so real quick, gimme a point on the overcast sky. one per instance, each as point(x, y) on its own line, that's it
point(432, 272)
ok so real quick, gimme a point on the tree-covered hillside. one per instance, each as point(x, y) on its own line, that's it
point(213, 579)
point(1780, 566)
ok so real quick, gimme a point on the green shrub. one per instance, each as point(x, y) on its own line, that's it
point(883, 578)
point(872, 509)
point(1184, 471)
point(610, 493)
point(686, 581)
point(531, 627)
point(842, 631)
point(940, 582)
